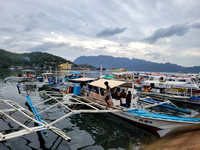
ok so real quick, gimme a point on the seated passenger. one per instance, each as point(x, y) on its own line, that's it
point(123, 98)
point(117, 94)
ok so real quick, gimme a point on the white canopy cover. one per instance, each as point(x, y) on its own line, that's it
point(83, 79)
point(111, 83)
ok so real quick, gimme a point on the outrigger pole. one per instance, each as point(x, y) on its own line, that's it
point(15, 107)
point(42, 124)
point(37, 116)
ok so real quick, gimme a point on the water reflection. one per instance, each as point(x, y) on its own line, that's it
point(109, 131)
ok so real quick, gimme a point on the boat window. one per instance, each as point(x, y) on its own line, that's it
point(182, 80)
point(171, 79)
point(151, 78)
point(161, 79)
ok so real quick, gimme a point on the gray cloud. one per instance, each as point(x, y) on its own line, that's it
point(10, 41)
point(196, 25)
point(21, 29)
point(7, 29)
point(177, 30)
point(110, 31)
point(156, 56)
point(102, 48)
point(47, 46)
point(34, 21)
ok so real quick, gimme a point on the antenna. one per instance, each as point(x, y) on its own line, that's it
point(101, 71)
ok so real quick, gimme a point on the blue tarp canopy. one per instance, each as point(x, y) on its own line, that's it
point(108, 77)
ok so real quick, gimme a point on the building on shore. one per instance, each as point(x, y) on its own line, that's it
point(65, 66)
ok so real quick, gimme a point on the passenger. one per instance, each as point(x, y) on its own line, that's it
point(49, 80)
point(123, 98)
point(107, 94)
point(128, 99)
point(19, 75)
point(117, 94)
point(31, 75)
point(82, 84)
point(27, 74)
point(53, 79)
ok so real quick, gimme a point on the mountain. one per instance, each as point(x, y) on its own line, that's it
point(40, 59)
point(110, 62)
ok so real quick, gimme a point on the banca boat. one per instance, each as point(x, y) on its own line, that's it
point(137, 114)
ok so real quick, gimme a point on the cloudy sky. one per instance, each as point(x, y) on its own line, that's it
point(154, 30)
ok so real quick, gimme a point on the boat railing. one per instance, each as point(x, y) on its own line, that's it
point(157, 104)
point(115, 104)
point(177, 91)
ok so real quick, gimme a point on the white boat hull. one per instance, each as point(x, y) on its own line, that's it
point(152, 123)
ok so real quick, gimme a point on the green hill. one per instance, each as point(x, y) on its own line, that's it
point(8, 59)
point(34, 59)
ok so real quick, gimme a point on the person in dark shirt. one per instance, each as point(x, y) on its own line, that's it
point(117, 94)
point(128, 99)
point(107, 94)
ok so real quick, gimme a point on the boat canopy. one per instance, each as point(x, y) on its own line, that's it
point(111, 83)
point(29, 70)
point(48, 73)
point(122, 73)
point(83, 79)
point(74, 72)
point(108, 77)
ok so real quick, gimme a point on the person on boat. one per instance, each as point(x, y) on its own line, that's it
point(117, 94)
point(107, 94)
point(27, 74)
point(83, 83)
point(31, 75)
point(128, 99)
point(19, 75)
point(123, 98)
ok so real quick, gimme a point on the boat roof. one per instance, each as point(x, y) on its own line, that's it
point(47, 73)
point(122, 73)
point(83, 79)
point(152, 81)
point(108, 77)
point(111, 83)
point(28, 70)
point(74, 72)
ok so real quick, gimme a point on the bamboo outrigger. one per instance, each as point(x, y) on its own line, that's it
point(35, 118)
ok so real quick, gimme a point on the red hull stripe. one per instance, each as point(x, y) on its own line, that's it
point(140, 124)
